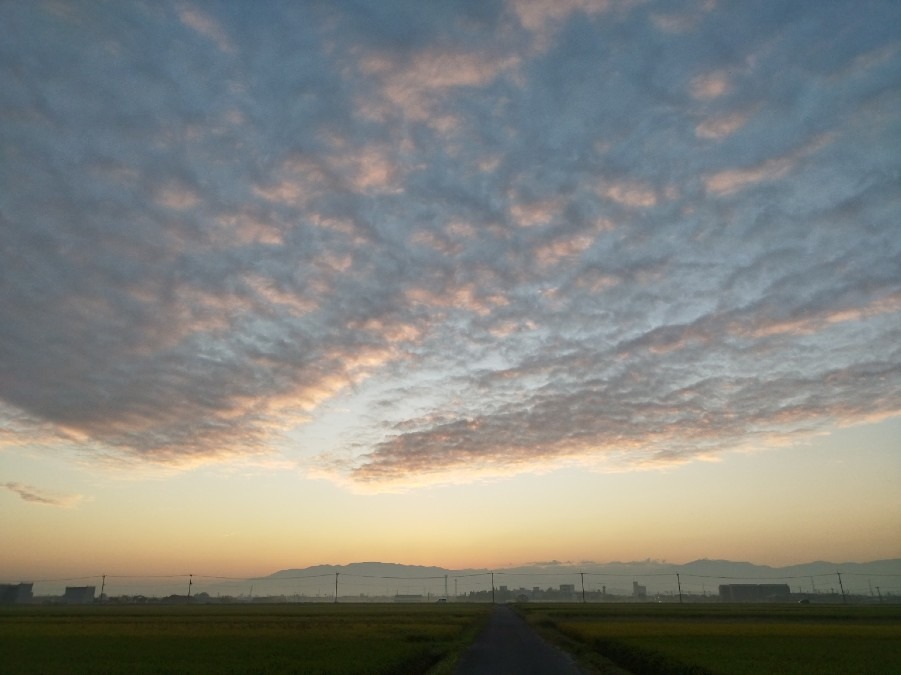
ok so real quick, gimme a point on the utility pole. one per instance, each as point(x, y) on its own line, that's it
point(841, 586)
point(336, 587)
point(582, 574)
point(879, 593)
point(102, 586)
point(190, 581)
point(679, 584)
point(492, 588)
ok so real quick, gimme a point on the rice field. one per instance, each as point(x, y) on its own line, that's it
point(406, 639)
point(728, 639)
point(303, 638)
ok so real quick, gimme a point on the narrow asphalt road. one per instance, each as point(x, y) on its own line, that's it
point(509, 646)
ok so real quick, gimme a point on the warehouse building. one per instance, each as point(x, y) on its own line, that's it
point(79, 595)
point(15, 594)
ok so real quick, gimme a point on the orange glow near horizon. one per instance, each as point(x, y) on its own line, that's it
point(467, 285)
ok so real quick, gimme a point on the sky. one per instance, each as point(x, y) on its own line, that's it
point(468, 284)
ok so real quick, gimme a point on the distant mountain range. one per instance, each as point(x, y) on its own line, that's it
point(378, 580)
point(699, 576)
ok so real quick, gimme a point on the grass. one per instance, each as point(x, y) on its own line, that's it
point(727, 639)
point(327, 639)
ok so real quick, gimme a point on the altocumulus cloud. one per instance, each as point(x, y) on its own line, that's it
point(515, 234)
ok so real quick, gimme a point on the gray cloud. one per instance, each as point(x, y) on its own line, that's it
point(35, 495)
point(521, 233)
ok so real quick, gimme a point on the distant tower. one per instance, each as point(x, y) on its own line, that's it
point(639, 591)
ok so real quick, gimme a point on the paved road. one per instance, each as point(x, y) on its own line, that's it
point(509, 646)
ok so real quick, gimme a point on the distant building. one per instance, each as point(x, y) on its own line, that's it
point(79, 595)
point(755, 593)
point(15, 594)
point(567, 588)
point(638, 591)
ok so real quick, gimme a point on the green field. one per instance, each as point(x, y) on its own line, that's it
point(302, 638)
point(398, 639)
point(727, 639)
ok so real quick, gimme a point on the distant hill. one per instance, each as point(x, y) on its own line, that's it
point(368, 580)
point(377, 569)
point(659, 577)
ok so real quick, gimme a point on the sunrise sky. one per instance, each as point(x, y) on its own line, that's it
point(448, 283)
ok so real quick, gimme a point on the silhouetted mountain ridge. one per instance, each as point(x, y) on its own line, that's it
point(376, 569)
point(617, 579)
point(702, 568)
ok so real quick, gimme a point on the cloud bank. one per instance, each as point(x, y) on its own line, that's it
point(515, 235)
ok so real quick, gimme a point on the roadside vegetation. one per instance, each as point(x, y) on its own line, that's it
point(725, 639)
point(309, 638)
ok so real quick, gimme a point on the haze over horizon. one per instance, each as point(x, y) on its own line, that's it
point(458, 283)
point(373, 580)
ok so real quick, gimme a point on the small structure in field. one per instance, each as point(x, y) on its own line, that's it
point(15, 594)
point(79, 595)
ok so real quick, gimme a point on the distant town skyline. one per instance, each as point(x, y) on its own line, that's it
point(459, 283)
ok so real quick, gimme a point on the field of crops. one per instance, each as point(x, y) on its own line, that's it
point(307, 638)
point(728, 639)
point(398, 639)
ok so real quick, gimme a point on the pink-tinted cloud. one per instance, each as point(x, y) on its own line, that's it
point(205, 25)
point(29, 493)
point(514, 236)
